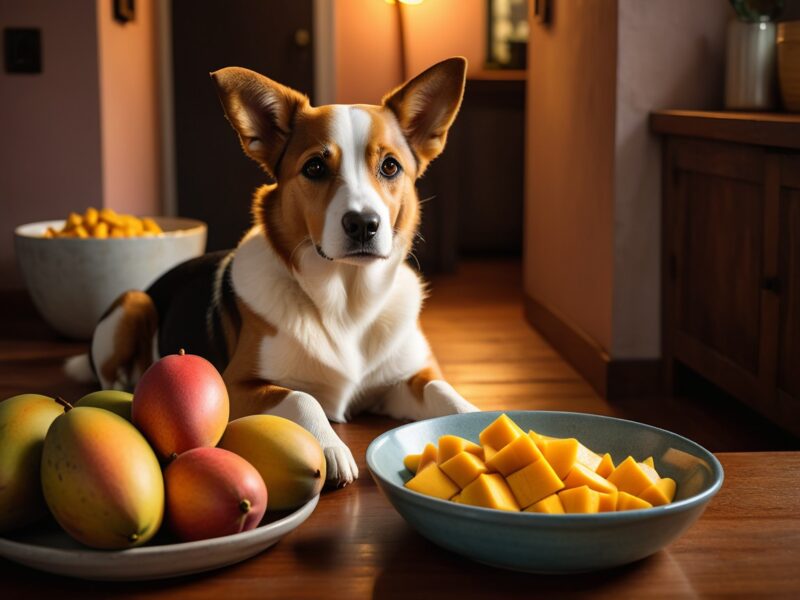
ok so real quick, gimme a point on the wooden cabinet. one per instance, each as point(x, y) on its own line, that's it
point(731, 255)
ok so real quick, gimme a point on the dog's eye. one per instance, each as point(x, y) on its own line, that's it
point(315, 168)
point(390, 167)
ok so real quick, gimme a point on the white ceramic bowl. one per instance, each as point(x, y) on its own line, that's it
point(73, 281)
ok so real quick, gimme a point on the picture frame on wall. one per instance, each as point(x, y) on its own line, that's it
point(507, 33)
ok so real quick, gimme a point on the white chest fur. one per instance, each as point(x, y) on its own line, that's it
point(344, 331)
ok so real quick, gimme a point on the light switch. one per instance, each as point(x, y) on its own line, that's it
point(23, 50)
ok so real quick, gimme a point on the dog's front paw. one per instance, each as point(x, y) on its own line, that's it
point(340, 464)
point(442, 399)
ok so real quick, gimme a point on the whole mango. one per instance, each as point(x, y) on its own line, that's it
point(212, 492)
point(101, 480)
point(24, 421)
point(116, 401)
point(181, 403)
point(288, 457)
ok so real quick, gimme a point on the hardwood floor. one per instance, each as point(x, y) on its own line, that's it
point(474, 322)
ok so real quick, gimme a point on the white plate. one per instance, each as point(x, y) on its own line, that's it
point(54, 551)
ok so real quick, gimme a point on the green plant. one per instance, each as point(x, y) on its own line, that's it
point(754, 11)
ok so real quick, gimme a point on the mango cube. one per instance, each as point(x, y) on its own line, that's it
point(516, 455)
point(561, 454)
point(429, 455)
point(648, 470)
point(550, 505)
point(630, 477)
point(490, 491)
point(606, 466)
point(432, 481)
point(463, 468)
point(580, 475)
point(488, 454)
point(608, 502)
point(650, 462)
point(628, 501)
point(450, 445)
point(411, 462)
point(588, 458)
point(534, 482)
point(501, 432)
point(661, 492)
point(580, 500)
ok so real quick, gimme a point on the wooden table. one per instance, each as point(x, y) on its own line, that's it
point(356, 546)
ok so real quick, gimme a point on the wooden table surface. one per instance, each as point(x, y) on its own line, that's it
point(356, 546)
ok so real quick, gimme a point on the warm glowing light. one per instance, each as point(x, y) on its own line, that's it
point(405, 1)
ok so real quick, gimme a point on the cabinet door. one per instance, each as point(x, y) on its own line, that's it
point(717, 205)
point(788, 374)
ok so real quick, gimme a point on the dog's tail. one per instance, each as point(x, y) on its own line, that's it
point(79, 368)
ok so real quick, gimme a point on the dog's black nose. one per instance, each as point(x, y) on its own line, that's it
point(360, 226)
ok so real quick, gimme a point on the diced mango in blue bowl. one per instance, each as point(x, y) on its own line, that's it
point(542, 491)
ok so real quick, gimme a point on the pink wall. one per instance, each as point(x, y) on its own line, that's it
point(366, 42)
point(670, 56)
point(50, 160)
point(129, 110)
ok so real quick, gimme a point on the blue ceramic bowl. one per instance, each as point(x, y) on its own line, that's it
point(543, 543)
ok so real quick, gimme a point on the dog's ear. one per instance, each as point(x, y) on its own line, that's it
point(260, 110)
point(426, 106)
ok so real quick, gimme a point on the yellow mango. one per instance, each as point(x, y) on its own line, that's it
point(648, 470)
point(630, 477)
point(411, 462)
point(429, 455)
point(587, 458)
point(516, 455)
point(649, 462)
point(91, 217)
point(489, 490)
point(488, 454)
point(432, 481)
point(561, 454)
point(661, 492)
point(150, 226)
point(606, 466)
point(534, 482)
point(111, 217)
point(501, 432)
point(550, 505)
point(580, 500)
point(608, 502)
point(463, 468)
point(100, 230)
point(73, 220)
point(628, 501)
point(450, 445)
point(580, 475)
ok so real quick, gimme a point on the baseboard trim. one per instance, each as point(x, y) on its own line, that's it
point(612, 379)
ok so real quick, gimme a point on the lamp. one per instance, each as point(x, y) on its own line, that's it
point(401, 34)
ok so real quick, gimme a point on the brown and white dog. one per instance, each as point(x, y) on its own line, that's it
point(315, 315)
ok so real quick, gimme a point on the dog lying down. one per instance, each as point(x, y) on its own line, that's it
point(315, 315)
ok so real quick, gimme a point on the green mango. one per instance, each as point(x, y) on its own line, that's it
point(24, 421)
point(101, 480)
point(114, 400)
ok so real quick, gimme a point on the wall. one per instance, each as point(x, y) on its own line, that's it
point(593, 191)
point(84, 131)
point(569, 224)
point(129, 110)
point(50, 160)
point(367, 62)
point(670, 56)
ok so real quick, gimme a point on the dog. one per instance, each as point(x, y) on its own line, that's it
point(315, 315)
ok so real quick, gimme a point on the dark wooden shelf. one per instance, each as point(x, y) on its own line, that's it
point(763, 129)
